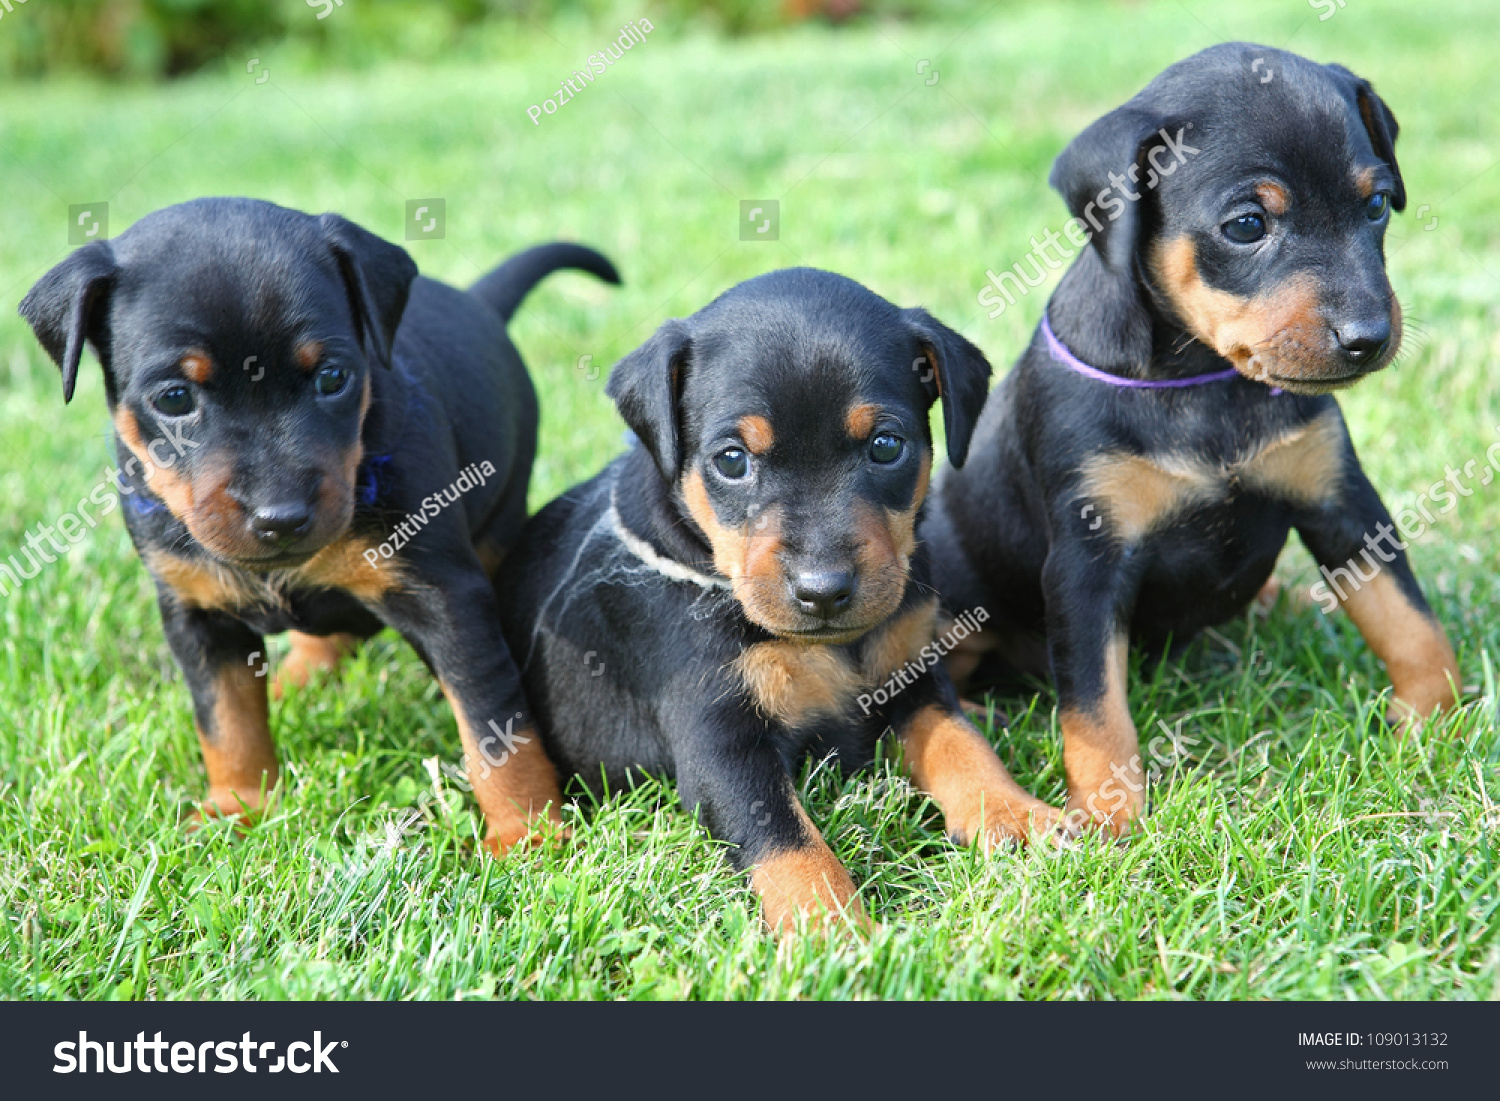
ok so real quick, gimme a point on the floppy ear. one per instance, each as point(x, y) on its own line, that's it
point(644, 388)
point(378, 277)
point(1379, 123)
point(960, 375)
point(63, 307)
point(1115, 144)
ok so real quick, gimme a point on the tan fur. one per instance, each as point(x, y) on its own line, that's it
point(1423, 669)
point(757, 434)
point(903, 522)
point(520, 796)
point(212, 516)
point(1138, 494)
point(343, 565)
point(175, 491)
point(203, 583)
point(807, 882)
point(1101, 755)
point(749, 556)
point(309, 354)
point(859, 422)
point(1364, 181)
point(899, 641)
point(1275, 337)
point(951, 761)
point(197, 366)
point(1305, 466)
point(238, 751)
point(311, 654)
point(792, 683)
point(1273, 197)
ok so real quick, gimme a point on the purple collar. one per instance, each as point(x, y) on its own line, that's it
point(1060, 353)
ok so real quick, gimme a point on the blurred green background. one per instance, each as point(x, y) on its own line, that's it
point(171, 37)
point(1299, 854)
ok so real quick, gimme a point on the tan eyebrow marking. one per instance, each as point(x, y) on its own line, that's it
point(860, 421)
point(309, 354)
point(1273, 197)
point(757, 434)
point(197, 366)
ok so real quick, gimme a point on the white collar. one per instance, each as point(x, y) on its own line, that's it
point(648, 556)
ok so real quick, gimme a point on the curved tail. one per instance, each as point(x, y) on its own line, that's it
point(507, 286)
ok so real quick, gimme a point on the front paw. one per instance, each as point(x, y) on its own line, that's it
point(1413, 703)
point(502, 838)
point(240, 807)
point(1112, 802)
point(1003, 820)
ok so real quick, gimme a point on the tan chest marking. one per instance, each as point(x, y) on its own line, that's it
point(340, 565)
point(1138, 493)
point(792, 683)
point(900, 641)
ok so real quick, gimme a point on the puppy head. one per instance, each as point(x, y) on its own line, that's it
point(791, 417)
point(1250, 190)
point(237, 340)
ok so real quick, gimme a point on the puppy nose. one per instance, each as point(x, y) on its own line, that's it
point(1364, 342)
point(824, 594)
point(280, 523)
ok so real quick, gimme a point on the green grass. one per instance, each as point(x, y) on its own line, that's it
point(1297, 851)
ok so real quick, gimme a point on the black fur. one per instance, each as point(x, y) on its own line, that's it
point(1015, 532)
point(633, 672)
point(247, 286)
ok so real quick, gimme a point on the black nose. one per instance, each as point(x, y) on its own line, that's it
point(824, 594)
point(280, 523)
point(1364, 342)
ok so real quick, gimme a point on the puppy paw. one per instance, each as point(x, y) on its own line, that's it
point(501, 838)
point(1001, 820)
point(310, 654)
point(242, 808)
point(1412, 704)
point(1113, 803)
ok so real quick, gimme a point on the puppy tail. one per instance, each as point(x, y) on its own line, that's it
point(506, 287)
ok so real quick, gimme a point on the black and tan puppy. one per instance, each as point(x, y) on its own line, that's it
point(312, 438)
point(1135, 477)
point(739, 590)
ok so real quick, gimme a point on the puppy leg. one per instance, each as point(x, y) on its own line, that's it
point(311, 654)
point(805, 880)
point(951, 761)
point(224, 665)
point(1088, 603)
point(1366, 570)
point(730, 771)
point(455, 625)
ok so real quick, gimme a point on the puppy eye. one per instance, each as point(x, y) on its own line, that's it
point(175, 401)
point(732, 463)
point(886, 448)
point(1246, 229)
point(331, 380)
point(1377, 205)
